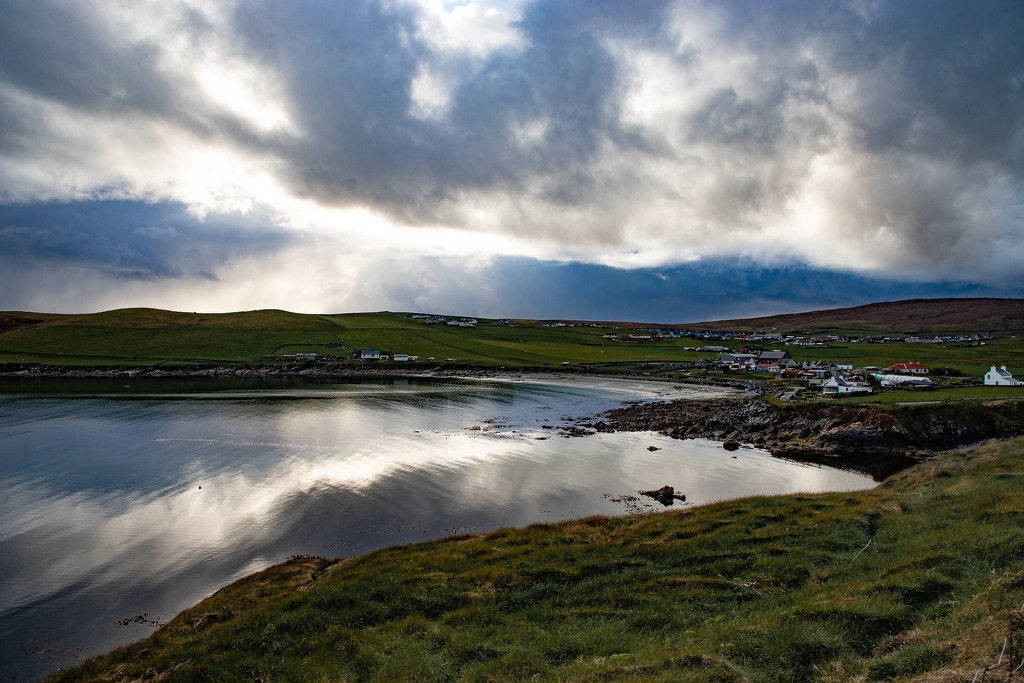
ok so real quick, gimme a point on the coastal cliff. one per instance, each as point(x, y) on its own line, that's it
point(874, 440)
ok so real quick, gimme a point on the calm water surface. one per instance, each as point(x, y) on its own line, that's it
point(123, 502)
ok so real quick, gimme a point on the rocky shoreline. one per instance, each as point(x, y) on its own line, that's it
point(876, 441)
point(364, 370)
point(212, 370)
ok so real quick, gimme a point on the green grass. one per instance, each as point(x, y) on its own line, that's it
point(144, 337)
point(917, 577)
point(973, 361)
point(973, 393)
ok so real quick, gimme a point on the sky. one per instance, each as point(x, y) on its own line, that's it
point(651, 160)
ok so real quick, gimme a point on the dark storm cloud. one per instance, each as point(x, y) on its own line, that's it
point(929, 77)
point(894, 91)
point(716, 289)
point(62, 52)
point(713, 289)
point(902, 90)
point(955, 80)
point(941, 81)
point(69, 54)
point(350, 69)
point(881, 138)
point(132, 239)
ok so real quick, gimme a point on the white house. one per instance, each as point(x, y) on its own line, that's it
point(1000, 378)
point(370, 354)
point(739, 359)
point(838, 385)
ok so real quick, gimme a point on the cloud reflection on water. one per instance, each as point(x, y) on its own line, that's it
point(131, 505)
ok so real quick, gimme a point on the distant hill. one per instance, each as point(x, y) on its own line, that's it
point(912, 316)
point(149, 337)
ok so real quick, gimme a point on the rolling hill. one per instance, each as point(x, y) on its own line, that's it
point(147, 337)
point(911, 316)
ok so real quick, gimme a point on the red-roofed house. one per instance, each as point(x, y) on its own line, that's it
point(909, 368)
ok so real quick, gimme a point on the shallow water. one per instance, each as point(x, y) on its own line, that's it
point(123, 502)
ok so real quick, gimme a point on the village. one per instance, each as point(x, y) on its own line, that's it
point(835, 378)
point(841, 377)
point(793, 365)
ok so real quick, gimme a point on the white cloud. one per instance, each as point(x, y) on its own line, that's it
point(476, 28)
point(412, 130)
point(459, 37)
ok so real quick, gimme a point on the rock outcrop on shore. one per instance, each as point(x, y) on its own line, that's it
point(877, 441)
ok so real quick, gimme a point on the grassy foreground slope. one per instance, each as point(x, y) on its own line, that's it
point(919, 579)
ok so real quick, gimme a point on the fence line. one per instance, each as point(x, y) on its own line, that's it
point(1016, 624)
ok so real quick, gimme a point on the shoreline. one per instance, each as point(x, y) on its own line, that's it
point(318, 370)
point(434, 372)
point(863, 438)
point(710, 418)
point(784, 558)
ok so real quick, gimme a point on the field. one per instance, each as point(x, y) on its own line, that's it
point(973, 393)
point(973, 361)
point(919, 579)
point(147, 338)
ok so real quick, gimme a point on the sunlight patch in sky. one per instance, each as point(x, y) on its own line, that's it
point(380, 136)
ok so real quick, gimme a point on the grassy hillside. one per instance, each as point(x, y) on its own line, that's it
point(913, 316)
point(147, 336)
point(919, 579)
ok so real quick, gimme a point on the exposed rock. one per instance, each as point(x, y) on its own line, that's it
point(568, 431)
point(731, 445)
point(666, 495)
point(878, 442)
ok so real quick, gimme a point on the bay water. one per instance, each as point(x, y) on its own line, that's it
point(124, 501)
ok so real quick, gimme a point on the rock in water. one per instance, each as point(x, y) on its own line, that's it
point(731, 445)
point(666, 495)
